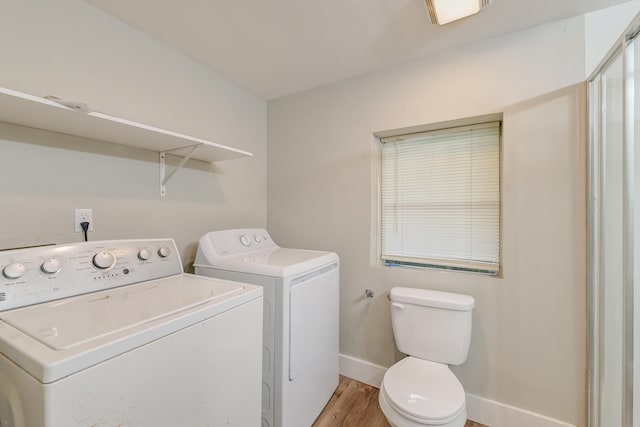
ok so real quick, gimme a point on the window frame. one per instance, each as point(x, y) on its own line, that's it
point(444, 265)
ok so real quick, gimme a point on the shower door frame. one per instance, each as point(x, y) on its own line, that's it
point(624, 48)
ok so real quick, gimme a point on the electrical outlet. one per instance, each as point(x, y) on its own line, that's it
point(82, 215)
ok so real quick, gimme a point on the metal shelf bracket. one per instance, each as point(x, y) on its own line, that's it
point(164, 178)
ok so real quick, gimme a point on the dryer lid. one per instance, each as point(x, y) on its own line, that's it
point(278, 262)
point(424, 391)
point(252, 251)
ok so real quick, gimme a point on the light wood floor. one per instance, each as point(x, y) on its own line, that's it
point(355, 404)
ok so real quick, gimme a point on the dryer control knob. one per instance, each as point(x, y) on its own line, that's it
point(164, 252)
point(104, 259)
point(14, 270)
point(258, 239)
point(51, 266)
point(245, 240)
point(144, 254)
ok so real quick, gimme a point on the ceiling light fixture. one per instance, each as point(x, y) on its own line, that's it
point(444, 11)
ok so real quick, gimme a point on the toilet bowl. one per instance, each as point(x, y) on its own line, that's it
point(434, 329)
point(418, 392)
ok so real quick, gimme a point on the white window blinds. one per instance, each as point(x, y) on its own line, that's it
point(440, 198)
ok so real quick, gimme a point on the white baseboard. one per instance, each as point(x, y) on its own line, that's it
point(479, 409)
point(361, 370)
point(496, 414)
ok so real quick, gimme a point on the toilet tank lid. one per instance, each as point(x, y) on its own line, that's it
point(429, 298)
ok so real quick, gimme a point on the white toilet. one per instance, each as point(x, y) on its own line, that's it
point(434, 329)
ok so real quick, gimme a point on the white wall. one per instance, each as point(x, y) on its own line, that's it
point(603, 28)
point(529, 339)
point(72, 50)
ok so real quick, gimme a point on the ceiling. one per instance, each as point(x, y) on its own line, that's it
point(278, 47)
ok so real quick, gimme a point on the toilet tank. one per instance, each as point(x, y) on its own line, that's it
point(432, 325)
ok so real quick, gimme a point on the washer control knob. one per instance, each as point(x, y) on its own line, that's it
point(245, 240)
point(104, 259)
point(144, 254)
point(258, 239)
point(51, 266)
point(14, 270)
point(164, 252)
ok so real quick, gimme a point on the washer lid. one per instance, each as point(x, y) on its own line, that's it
point(55, 339)
point(424, 391)
point(70, 322)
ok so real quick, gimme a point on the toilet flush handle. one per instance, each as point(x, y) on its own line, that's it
point(397, 305)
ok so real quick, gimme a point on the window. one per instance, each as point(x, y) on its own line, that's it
point(440, 198)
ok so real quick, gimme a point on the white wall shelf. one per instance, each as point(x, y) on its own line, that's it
point(75, 118)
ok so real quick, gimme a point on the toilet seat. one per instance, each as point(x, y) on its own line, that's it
point(423, 391)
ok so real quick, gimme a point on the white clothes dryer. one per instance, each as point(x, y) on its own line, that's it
point(113, 333)
point(301, 312)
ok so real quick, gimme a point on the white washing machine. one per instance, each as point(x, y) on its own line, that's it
point(114, 334)
point(301, 297)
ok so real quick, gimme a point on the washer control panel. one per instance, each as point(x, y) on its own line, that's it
point(34, 275)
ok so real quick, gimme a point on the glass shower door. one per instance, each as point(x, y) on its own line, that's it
point(614, 195)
